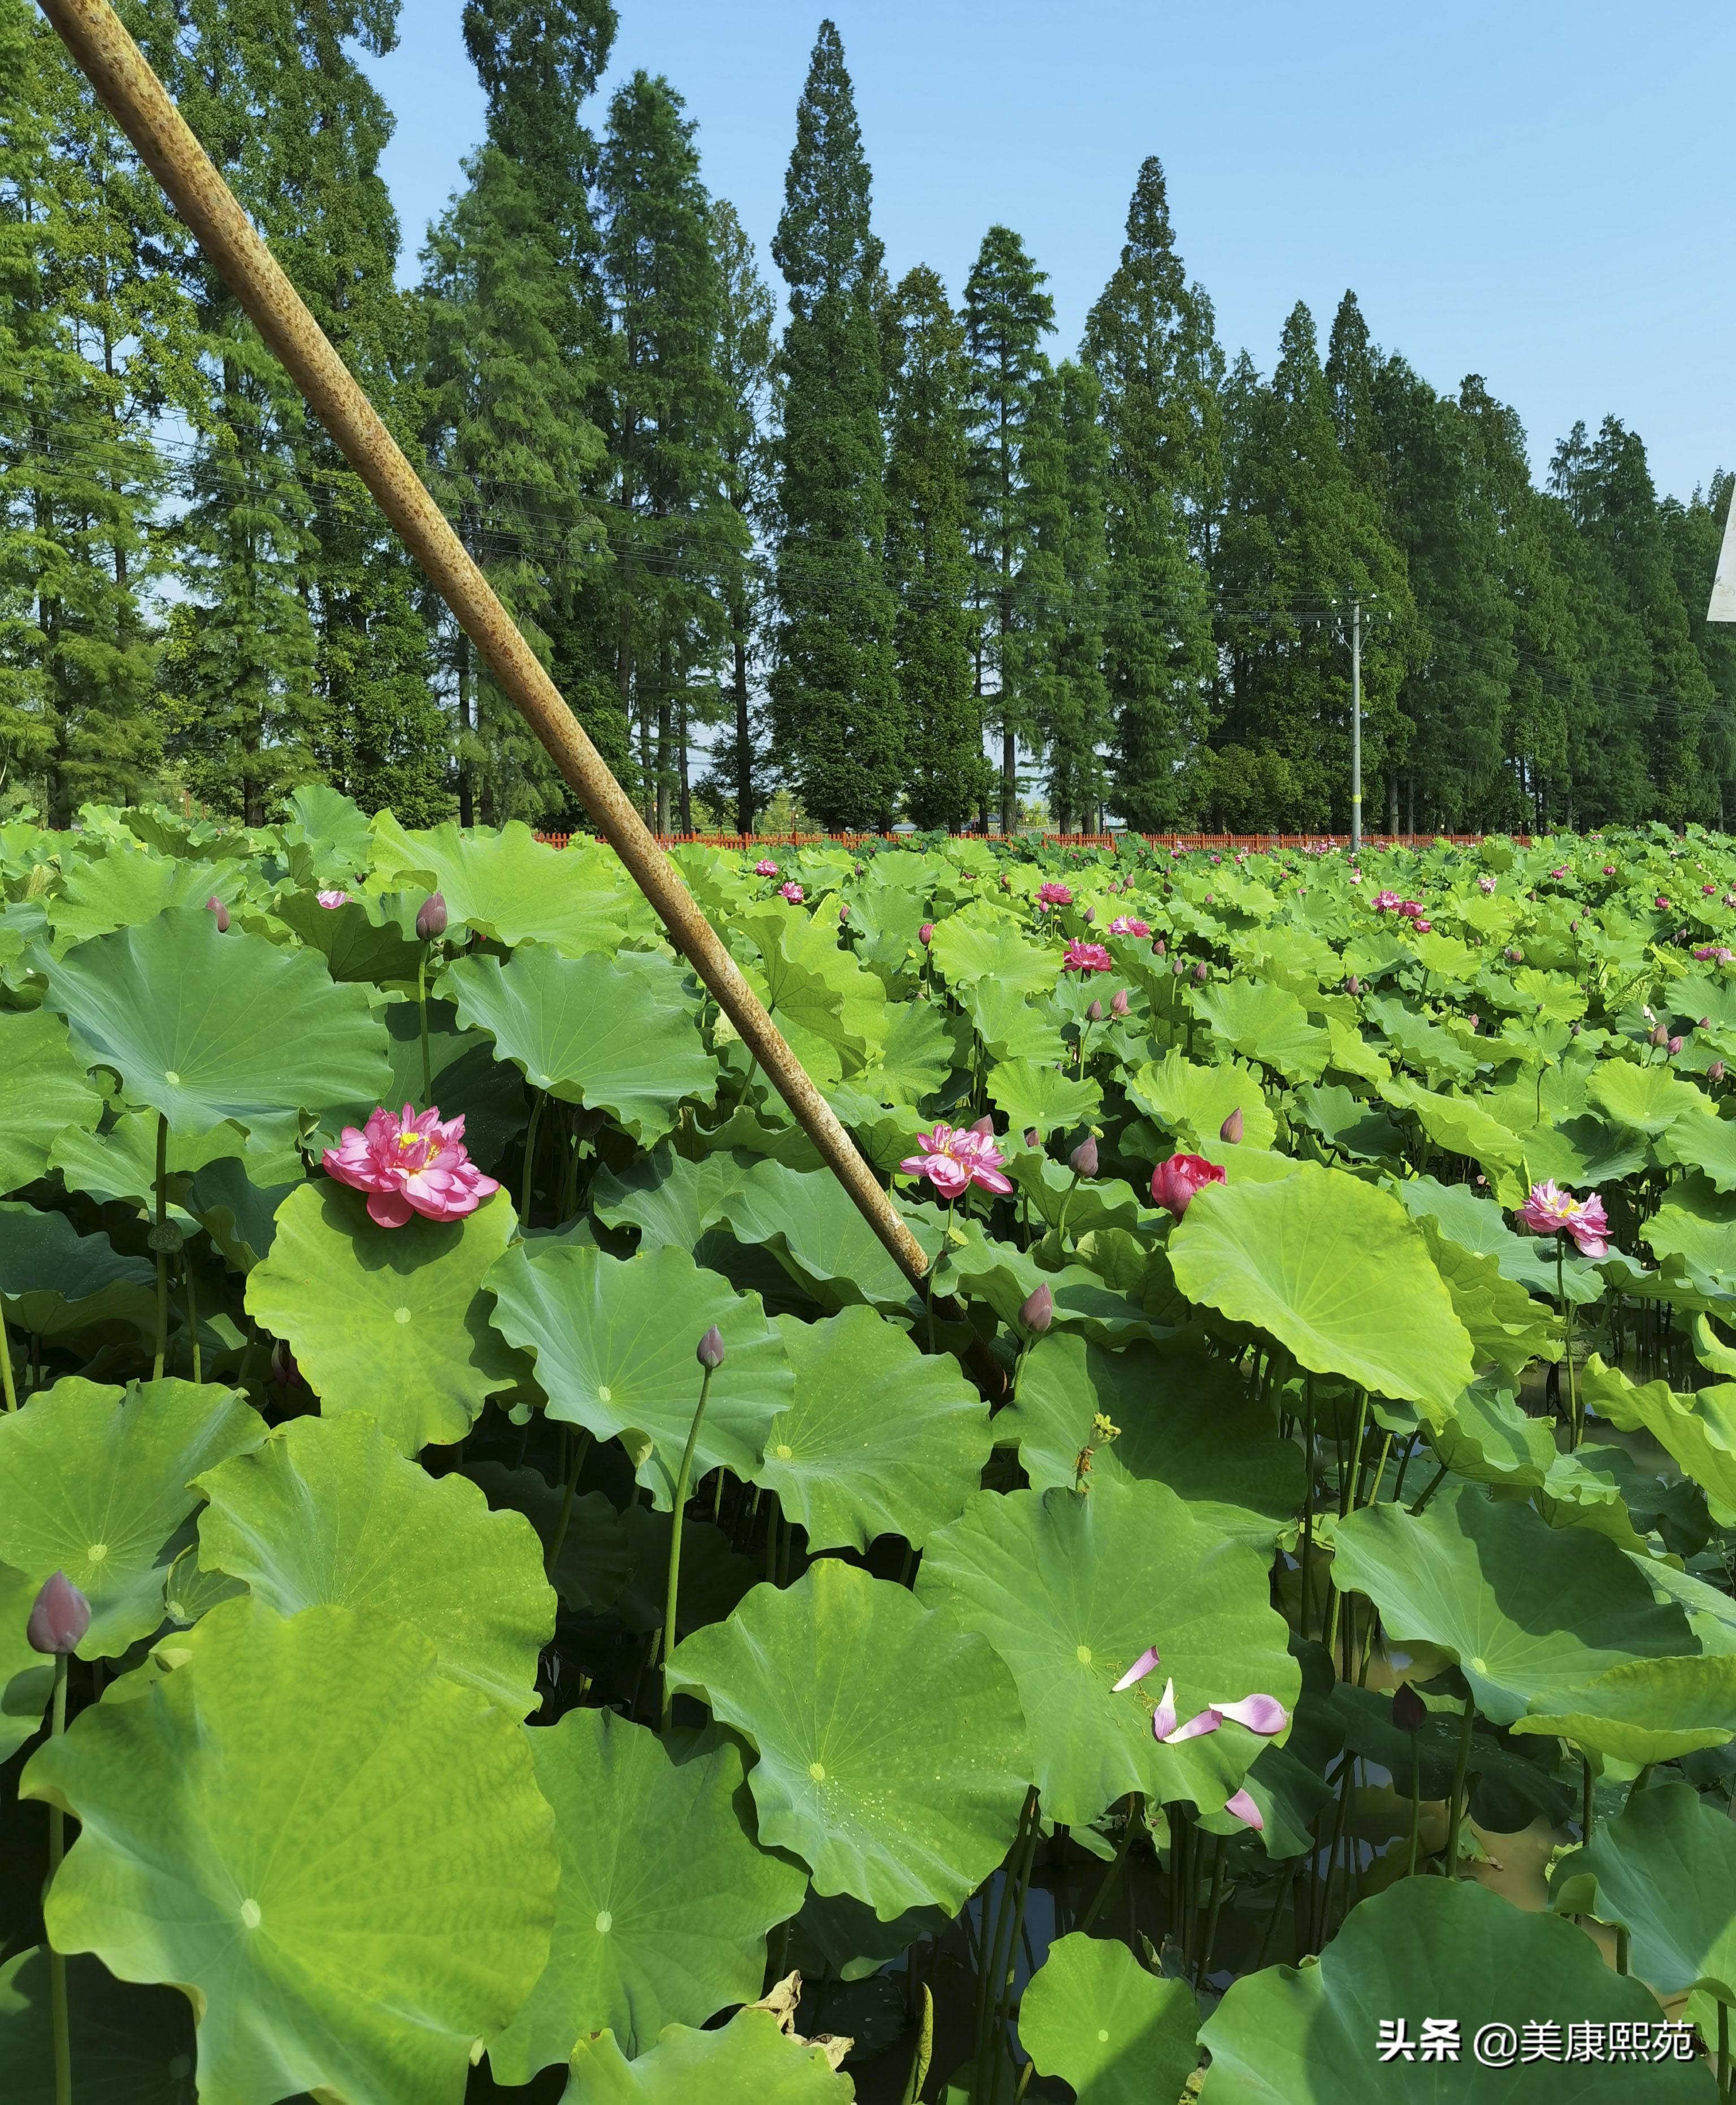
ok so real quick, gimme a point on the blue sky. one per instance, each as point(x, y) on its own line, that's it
point(1538, 191)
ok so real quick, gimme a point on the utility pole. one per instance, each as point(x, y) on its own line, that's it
point(1356, 726)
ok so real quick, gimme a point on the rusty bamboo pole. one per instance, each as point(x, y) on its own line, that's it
point(141, 104)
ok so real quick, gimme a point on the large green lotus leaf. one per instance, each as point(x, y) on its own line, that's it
point(1005, 1276)
point(339, 1852)
point(391, 1322)
point(128, 887)
point(819, 987)
point(1435, 1948)
point(665, 1895)
point(1010, 1024)
point(751, 2061)
point(595, 1559)
point(1349, 1124)
point(1070, 1589)
point(1487, 1437)
point(836, 1938)
point(97, 1482)
point(1582, 1153)
point(881, 1439)
point(1697, 1224)
point(1507, 1328)
point(916, 1059)
point(1665, 1869)
point(57, 1283)
point(355, 941)
point(1264, 1022)
point(1698, 1431)
point(1185, 1419)
point(26, 1678)
point(1531, 1613)
point(328, 1511)
point(618, 1034)
point(1644, 1709)
point(1192, 1102)
point(203, 1026)
point(1335, 1271)
point(614, 1345)
point(466, 1078)
point(121, 1163)
point(131, 2045)
point(669, 1198)
point(238, 1214)
point(1463, 1127)
point(328, 835)
point(43, 1091)
point(965, 949)
point(1476, 1224)
point(511, 886)
point(1434, 1053)
point(1648, 1100)
point(809, 1222)
point(1120, 2035)
point(892, 1756)
point(1028, 1096)
point(1708, 1145)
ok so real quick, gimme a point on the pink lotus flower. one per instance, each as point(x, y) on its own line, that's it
point(1610, 869)
point(1243, 1809)
point(1485, 884)
point(954, 1158)
point(1055, 895)
point(1424, 927)
point(1562, 872)
point(1551, 1211)
point(792, 892)
point(1356, 877)
point(1661, 904)
point(1175, 1183)
point(1124, 924)
point(414, 1164)
point(765, 867)
point(329, 899)
point(1086, 957)
point(1712, 954)
point(1386, 902)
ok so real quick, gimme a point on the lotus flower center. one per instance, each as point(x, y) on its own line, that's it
point(605, 1922)
point(171, 1078)
point(783, 1452)
point(400, 1315)
point(817, 1770)
point(605, 1395)
point(1083, 1655)
point(250, 1915)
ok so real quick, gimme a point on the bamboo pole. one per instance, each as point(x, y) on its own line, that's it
point(140, 104)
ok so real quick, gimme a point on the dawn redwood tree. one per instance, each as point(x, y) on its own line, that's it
point(1150, 341)
point(834, 694)
point(928, 559)
point(1007, 313)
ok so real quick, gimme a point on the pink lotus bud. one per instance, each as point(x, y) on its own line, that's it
point(60, 1618)
point(1199, 973)
point(985, 1126)
point(1094, 1014)
point(1032, 1137)
point(709, 1351)
point(1352, 985)
point(1178, 968)
point(844, 913)
point(1704, 1023)
point(219, 914)
point(1474, 1020)
point(1674, 1046)
point(430, 921)
point(1118, 1002)
point(1174, 1183)
point(1088, 913)
point(1714, 1073)
point(1158, 948)
point(1038, 1311)
point(1660, 1036)
point(925, 934)
point(1084, 1157)
point(1410, 1714)
point(1231, 1128)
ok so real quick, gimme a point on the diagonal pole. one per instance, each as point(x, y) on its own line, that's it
point(141, 104)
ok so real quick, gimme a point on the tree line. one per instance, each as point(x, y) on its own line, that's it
point(885, 554)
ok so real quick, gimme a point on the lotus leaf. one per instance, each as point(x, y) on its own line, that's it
point(751, 2061)
point(1699, 1431)
point(1118, 2035)
point(665, 1896)
point(846, 1687)
point(390, 1321)
point(1648, 1100)
point(1192, 1102)
point(357, 1937)
point(44, 1092)
point(26, 1678)
point(131, 2045)
point(1264, 1022)
point(59, 1283)
point(512, 887)
point(1028, 1096)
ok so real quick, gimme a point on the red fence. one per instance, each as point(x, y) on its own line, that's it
point(1235, 843)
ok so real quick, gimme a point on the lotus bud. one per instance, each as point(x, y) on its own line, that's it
point(1032, 1137)
point(1178, 968)
point(430, 921)
point(1231, 1128)
point(1410, 1714)
point(1353, 985)
point(985, 1126)
point(1118, 1002)
point(709, 1352)
point(60, 1618)
point(1084, 1157)
point(1199, 973)
point(1474, 1020)
point(1704, 1023)
point(1094, 1014)
point(1714, 1073)
point(844, 913)
point(1660, 1036)
point(925, 934)
point(1090, 913)
point(1039, 1311)
point(219, 913)
point(1675, 1045)
point(1159, 949)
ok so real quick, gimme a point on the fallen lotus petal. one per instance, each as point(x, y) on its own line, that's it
point(1264, 1715)
point(1243, 1809)
point(1196, 1728)
point(1163, 1718)
point(1145, 1664)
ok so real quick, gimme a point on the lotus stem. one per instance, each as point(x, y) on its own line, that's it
point(6, 1362)
point(1435, 1484)
point(1587, 1799)
point(676, 1520)
point(1306, 1616)
point(192, 1316)
point(1410, 1866)
point(1724, 2053)
point(1270, 1930)
point(159, 1243)
point(1214, 1903)
point(924, 2052)
point(557, 1541)
point(57, 2002)
point(1575, 1430)
point(421, 1008)
point(1350, 1478)
point(997, 1950)
point(538, 1100)
point(1106, 1884)
point(1455, 1812)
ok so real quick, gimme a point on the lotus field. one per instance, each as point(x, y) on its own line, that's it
point(506, 1590)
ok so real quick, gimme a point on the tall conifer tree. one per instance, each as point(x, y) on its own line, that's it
point(927, 556)
point(834, 689)
point(1149, 339)
point(1007, 313)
